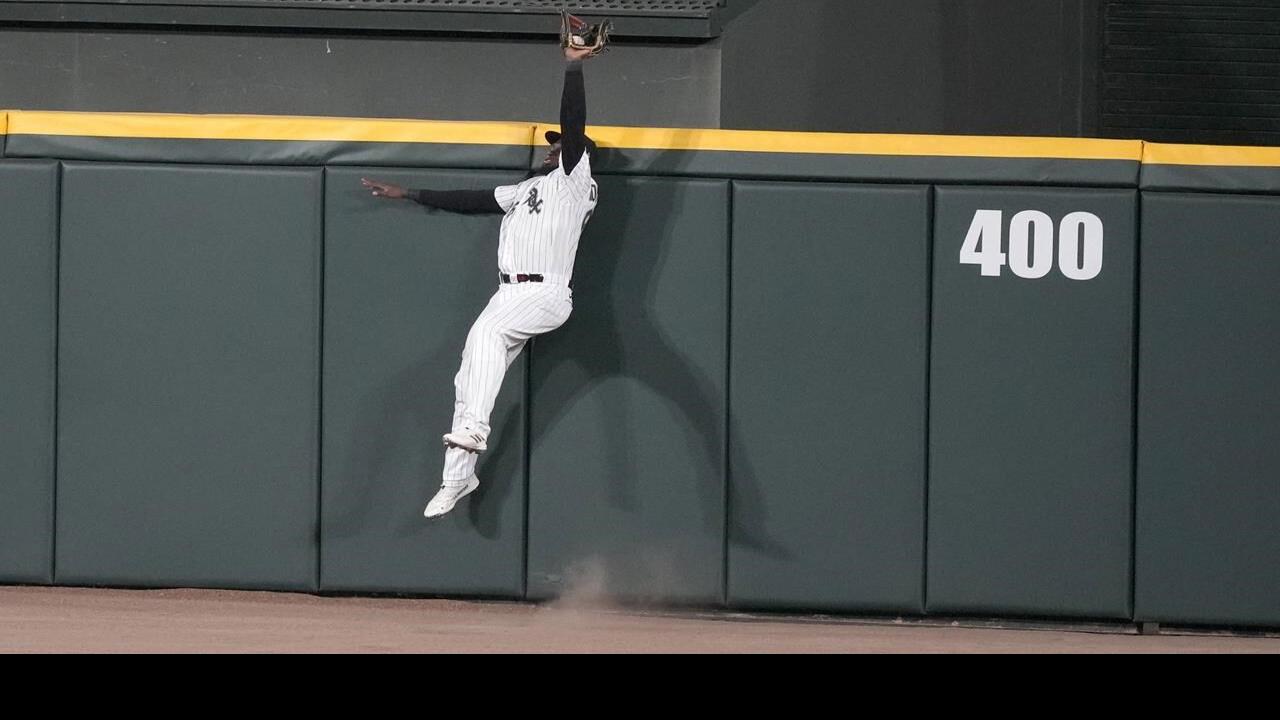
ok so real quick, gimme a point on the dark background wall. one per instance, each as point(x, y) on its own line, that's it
point(348, 76)
point(1169, 71)
point(939, 66)
point(936, 66)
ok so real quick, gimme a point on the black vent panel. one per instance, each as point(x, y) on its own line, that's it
point(697, 19)
point(1195, 71)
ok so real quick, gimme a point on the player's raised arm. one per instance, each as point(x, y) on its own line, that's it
point(573, 110)
point(465, 202)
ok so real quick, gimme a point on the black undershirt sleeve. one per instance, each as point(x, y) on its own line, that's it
point(464, 202)
point(573, 117)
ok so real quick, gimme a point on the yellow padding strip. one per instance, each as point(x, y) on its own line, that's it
point(262, 127)
point(1213, 155)
point(280, 128)
point(849, 144)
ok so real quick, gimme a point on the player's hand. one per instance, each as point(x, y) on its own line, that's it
point(573, 55)
point(386, 190)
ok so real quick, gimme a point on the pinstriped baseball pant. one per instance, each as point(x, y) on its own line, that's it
point(516, 314)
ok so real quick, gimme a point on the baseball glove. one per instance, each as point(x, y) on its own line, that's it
point(576, 33)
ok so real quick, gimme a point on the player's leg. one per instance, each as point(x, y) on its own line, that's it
point(494, 343)
point(485, 360)
point(460, 464)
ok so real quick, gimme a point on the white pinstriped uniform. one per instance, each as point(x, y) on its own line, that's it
point(544, 222)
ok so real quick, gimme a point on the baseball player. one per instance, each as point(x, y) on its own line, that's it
point(544, 219)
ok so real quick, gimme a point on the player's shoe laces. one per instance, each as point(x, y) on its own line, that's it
point(449, 495)
point(467, 440)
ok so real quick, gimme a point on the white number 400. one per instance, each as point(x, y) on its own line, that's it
point(1031, 236)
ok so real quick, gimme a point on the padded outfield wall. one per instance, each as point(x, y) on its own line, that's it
point(841, 373)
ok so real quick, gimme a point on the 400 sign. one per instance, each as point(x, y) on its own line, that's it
point(1080, 238)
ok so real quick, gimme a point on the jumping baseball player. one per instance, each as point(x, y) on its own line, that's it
point(545, 217)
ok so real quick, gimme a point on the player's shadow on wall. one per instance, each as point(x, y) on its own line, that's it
point(616, 333)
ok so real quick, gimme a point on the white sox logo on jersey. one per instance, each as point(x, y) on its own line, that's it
point(535, 205)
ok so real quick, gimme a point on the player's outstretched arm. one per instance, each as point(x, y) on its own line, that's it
point(573, 111)
point(466, 202)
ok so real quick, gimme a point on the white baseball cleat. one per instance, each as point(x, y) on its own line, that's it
point(467, 440)
point(449, 495)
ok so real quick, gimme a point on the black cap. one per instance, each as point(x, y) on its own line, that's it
point(553, 137)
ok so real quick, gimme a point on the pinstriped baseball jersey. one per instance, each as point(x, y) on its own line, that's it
point(545, 219)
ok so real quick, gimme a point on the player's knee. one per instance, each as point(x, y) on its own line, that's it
point(485, 338)
point(479, 331)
